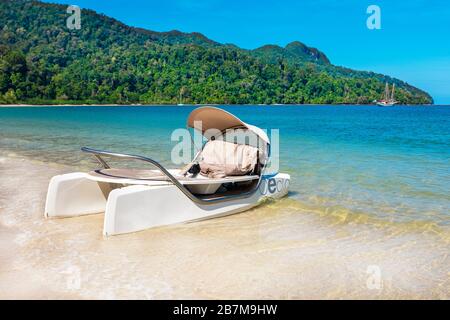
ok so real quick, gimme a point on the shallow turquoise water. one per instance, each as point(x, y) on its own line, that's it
point(389, 163)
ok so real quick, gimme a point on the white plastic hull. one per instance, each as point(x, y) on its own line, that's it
point(138, 207)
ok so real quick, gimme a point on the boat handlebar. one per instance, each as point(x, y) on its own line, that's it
point(99, 153)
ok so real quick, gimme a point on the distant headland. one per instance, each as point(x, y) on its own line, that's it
point(107, 62)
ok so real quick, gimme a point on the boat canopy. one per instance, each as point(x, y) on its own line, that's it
point(219, 119)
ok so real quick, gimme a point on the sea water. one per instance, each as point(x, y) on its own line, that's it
point(390, 163)
point(369, 186)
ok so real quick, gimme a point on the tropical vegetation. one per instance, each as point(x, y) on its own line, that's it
point(42, 61)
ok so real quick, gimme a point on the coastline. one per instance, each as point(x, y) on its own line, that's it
point(206, 104)
point(219, 258)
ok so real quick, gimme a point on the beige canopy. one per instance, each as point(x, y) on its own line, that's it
point(215, 118)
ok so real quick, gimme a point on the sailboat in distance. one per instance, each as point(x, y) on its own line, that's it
point(388, 99)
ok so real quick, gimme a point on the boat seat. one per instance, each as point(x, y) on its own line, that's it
point(152, 177)
point(132, 174)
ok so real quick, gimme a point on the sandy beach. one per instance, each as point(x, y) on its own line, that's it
point(282, 250)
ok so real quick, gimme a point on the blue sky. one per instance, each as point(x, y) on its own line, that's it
point(413, 43)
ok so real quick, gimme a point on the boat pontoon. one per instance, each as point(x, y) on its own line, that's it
point(227, 176)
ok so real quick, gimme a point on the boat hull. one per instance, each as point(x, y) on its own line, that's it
point(132, 208)
point(386, 104)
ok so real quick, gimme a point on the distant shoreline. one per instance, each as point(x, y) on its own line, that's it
point(205, 104)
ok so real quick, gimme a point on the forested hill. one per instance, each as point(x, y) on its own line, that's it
point(42, 61)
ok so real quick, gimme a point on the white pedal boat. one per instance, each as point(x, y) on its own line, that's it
point(136, 199)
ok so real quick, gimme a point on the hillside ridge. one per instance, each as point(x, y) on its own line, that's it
point(106, 61)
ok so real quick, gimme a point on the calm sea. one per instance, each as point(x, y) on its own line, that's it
point(388, 163)
point(370, 199)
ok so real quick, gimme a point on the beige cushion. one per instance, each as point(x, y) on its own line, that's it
point(220, 159)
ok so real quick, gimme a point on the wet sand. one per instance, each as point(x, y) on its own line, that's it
point(282, 250)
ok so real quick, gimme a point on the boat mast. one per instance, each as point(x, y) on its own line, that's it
point(393, 90)
point(386, 92)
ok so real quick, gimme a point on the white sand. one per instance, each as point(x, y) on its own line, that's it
point(281, 250)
